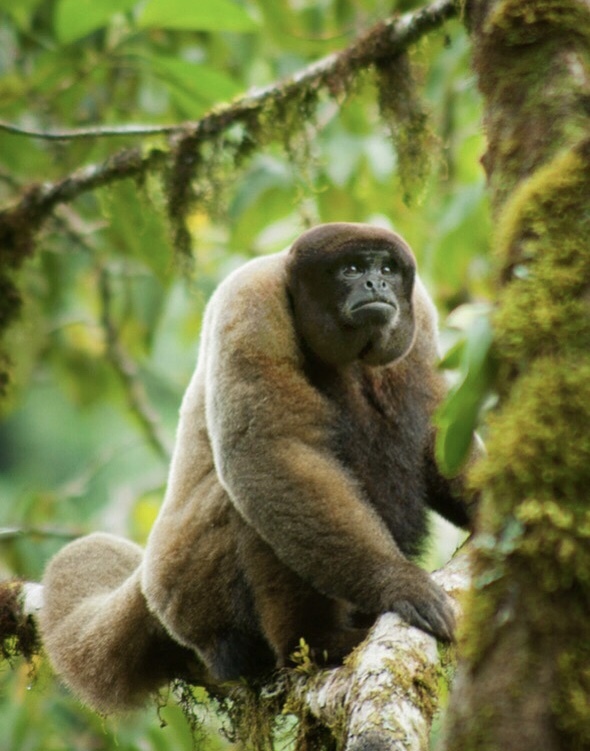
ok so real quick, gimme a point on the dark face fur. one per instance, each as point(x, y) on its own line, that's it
point(351, 289)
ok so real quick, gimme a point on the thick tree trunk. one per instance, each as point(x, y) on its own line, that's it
point(524, 680)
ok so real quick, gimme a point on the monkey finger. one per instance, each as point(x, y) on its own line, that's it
point(428, 617)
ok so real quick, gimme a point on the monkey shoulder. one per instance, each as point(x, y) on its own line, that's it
point(249, 312)
point(254, 382)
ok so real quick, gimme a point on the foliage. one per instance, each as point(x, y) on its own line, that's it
point(107, 332)
point(471, 355)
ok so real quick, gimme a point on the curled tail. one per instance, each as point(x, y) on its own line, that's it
point(97, 630)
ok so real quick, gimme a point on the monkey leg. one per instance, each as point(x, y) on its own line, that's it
point(301, 613)
point(97, 630)
point(290, 610)
point(193, 582)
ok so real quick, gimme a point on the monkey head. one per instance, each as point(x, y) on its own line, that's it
point(351, 288)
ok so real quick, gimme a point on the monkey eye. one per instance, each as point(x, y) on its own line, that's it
point(351, 269)
point(388, 269)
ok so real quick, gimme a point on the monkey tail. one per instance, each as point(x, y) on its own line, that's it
point(97, 630)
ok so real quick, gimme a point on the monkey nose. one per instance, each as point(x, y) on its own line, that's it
point(372, 284)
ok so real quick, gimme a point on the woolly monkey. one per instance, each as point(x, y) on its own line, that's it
point(298, 488)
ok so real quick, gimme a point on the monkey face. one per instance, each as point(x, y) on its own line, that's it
point(351, 290)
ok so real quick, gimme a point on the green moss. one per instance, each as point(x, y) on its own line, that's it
point(536, 549)
point(423, 684)
point(544, 310)
point(532, 566)
point(571, 702)
point(407, 119)
point(261, 717)
point(192, 700)
point(537, 474)
point(531, 60)
point(251, 717)
point(532, 559)
point(426, 686)
point(545, 200)
point(528, 23)
point(539, 443)
point(18, 631)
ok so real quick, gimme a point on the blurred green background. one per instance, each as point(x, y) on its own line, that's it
point(86, 431)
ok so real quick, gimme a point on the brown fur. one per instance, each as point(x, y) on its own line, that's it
point(296, 498)
point(96, 627)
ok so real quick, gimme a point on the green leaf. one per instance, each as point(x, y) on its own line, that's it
point(456, 421)
point(194, 81)
point(137, 226)
point(204, 15)
point(457, 417)
point(21, 12)
point(453, 357)
point(76, 18)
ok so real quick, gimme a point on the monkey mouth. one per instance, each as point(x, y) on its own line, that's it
point(376, 306)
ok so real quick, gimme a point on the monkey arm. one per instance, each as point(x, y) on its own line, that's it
point(314, 520)
point(304, 505)
point(270, 435)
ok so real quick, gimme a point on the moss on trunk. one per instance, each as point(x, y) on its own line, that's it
point(525, 679)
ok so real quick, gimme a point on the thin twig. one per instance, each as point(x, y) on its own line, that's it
point(94, 131)
point(126, 370)
point(8, 534)
point(123, 365)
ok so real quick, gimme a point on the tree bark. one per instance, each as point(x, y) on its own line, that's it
point(524, 678)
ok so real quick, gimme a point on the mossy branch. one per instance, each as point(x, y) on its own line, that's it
point(383, 41)
point(332, 74)
point(95, 131)
point(523, 680)
point(384, 697)
point(387, 693)
point(8, 534)
point(192, 154)
point(19, 604)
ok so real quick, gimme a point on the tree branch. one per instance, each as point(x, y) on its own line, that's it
point(386, 40)
point(523, 683)
point(94, 131)
point(7, 534)
point(389, 690)
point(383, 698)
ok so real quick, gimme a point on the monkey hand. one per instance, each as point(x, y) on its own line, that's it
point(426, 605)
